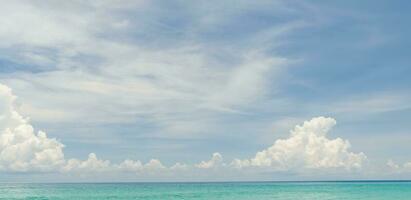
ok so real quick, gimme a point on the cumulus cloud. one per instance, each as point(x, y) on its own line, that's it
point(398, 168)
point(392, 165)
point(92, 164)
point(180, 167)
point(215, 161)
point(154, 165)
point(23, 150)
point(20, 148)
point(307, 148)
point(131, 166)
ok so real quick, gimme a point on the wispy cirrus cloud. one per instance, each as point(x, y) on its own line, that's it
point(109, 65)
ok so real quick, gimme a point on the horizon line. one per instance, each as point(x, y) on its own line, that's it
point(200, 182)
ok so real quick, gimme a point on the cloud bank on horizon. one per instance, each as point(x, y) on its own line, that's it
point(306, 148)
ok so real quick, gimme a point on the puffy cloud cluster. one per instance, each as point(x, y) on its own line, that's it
point(397, 168)
point(20, 148)
point(92, 164)
point(215, 161)
point(307, 147)
point(23, 150)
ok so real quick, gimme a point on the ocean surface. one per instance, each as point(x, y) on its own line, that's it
point(209, 191)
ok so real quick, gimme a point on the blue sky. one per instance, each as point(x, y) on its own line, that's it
point(179, 80)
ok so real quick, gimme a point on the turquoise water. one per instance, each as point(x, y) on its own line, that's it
point(209, 191)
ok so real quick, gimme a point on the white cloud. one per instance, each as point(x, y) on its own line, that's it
point(154, 164)
point(307, 148)
point(180, 167)
point(398, 168)
point(131, 166)
point(392, 165)
point(20, 148)
point(92, 164)
point(215, 161)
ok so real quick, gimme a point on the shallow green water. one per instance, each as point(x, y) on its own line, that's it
point(234, 191)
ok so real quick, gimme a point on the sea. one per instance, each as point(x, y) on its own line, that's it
point(346, 190)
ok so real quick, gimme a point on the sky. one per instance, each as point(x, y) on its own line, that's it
point(204, 90)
